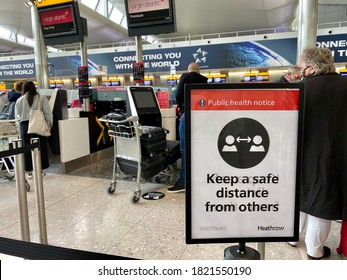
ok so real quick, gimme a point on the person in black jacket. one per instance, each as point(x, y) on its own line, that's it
point(192, 76)
point(323, 195)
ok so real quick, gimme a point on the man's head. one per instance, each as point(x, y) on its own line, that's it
point(316, 61)
point(293, 73)
point(194, 67)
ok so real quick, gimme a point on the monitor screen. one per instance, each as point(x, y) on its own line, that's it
point(171, 82)
point(250, 78)
point(104, 83)
point(115, 83)
point(58, 21)
point(262, 78)
point(220, 80)
point(210, 80)
point(343, 74)
point(144, 99)
point(148, 83)
point(145, 13)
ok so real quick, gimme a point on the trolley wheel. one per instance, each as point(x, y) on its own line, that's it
point(111, 188)
point(157, 179)
point(27, 186)
point(169, 181)
point(10, 176)
point(136, 197)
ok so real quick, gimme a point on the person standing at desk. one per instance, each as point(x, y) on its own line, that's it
point(292, 75)
point(193, 76)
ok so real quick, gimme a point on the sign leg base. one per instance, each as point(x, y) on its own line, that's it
point(241, 252)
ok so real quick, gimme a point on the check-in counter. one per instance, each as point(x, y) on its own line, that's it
point(74, 143)
point(83, 138)
point(169, 121)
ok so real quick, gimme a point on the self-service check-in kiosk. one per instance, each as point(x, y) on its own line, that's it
point(142, 102)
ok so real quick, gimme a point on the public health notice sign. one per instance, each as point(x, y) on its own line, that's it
point(243, 150)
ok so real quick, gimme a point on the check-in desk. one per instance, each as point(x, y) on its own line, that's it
point(74, 143)
point(84, 139)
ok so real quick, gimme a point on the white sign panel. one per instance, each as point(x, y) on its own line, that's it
point(242, 163)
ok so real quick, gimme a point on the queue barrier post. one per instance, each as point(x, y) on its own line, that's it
point(21, 192)
point(40, 202)
point(260, 247)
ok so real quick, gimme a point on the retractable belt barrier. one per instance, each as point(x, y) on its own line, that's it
point(20, 150)
point(24, 248)
point(36, 251)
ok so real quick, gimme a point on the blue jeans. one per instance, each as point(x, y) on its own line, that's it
point(182, 179)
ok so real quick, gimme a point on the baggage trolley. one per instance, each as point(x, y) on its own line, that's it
point(127, 146)
point(9, 130)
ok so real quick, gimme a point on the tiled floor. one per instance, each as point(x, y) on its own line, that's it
point(82, 215)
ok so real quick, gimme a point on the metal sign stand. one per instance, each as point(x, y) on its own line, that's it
point(241, 252)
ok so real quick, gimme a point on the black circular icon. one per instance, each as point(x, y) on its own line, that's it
point(243, 143)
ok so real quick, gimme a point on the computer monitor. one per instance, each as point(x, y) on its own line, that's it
point(171, 82)
point(115, 83)
point(250, 78)
point(261, 78)
point(104, 83)
point(148, 82)
point(220, 80)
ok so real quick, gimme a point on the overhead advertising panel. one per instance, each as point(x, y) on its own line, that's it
point(243, 150)
point(218, 56)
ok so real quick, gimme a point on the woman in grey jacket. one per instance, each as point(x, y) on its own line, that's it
point(31, 99)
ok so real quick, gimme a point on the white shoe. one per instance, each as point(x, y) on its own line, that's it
point(29, 175)
point(293, 244)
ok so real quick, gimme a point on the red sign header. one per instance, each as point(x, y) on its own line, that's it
point(244, 99)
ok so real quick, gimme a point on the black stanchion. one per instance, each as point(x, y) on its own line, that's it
point(241, 252)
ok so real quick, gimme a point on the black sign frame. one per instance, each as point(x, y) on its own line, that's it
point(189, 145)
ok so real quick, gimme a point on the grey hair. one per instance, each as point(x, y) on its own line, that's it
point(322, 58)
point(293, 69)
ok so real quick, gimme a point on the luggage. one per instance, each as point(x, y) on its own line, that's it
point(149, 166)
point(124, 129)
point(172, 151)
point(153, 140)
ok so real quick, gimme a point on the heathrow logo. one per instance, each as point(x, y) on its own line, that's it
point(200, 56)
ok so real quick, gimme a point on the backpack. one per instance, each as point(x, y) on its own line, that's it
point(8, 112)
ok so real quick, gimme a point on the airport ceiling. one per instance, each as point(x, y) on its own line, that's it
point(193, 17)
